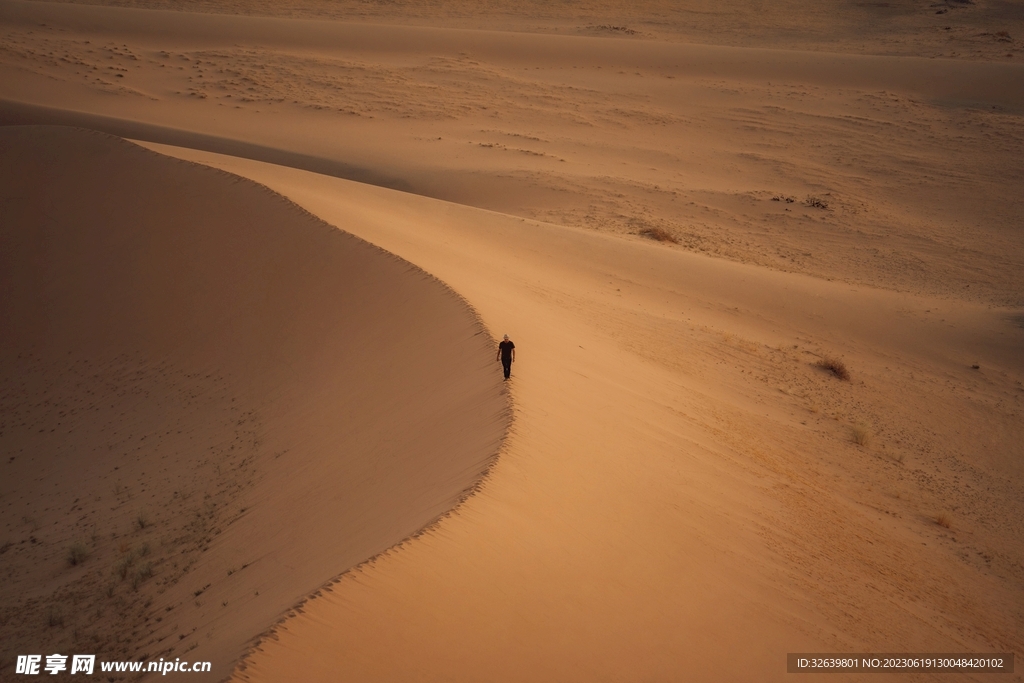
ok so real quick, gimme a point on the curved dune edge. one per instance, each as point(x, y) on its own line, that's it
point(285, 401)
point(681, 497)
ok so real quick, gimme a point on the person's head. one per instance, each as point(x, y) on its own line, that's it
point(506, 337)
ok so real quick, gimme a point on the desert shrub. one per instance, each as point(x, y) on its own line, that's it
point(835, 366)
point(944, 520)
point(77, 554)
point(861, 435)
point(614, 29)
point(144, 572)
point(816, 203)
point(124, 566)
point(55, 617)
point(658, 234)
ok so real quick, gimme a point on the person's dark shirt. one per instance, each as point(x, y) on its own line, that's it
point(506, 350)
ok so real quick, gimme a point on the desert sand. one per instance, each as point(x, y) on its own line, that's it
point(676, 212)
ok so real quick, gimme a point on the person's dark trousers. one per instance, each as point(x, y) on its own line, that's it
point(507, 364)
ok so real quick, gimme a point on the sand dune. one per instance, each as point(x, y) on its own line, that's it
point(684, 492)
point(681, 495)
point(223, 401)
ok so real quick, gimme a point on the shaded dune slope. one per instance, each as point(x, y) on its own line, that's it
point(219, 400)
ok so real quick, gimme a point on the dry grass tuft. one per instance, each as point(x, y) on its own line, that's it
point(614, 29)
point(142, 520)
point(77, 554)
point(836, 367)
point(944, 521)
point(658, 234)
point(55, 618)
point(816, 202)
point(141, 574)
point(124, 566)
point(861, 435)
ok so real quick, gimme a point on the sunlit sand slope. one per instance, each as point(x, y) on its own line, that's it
point(685, 493)
point(218, 401)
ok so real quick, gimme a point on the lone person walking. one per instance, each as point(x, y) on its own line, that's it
point(506, 354)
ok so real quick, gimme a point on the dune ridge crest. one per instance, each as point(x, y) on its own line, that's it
point(684, 459)
point(213, 401)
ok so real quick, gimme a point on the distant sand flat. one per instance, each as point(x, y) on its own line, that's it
point(915, 161)
point(222, 400)
point(964, 29)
